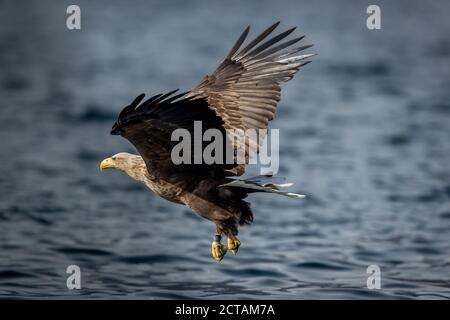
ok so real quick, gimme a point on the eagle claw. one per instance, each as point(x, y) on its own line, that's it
point(233, 244)
point(218, 250)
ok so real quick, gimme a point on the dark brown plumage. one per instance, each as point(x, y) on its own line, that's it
point(242, 93)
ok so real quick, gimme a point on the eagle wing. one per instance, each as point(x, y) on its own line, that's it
point(242, 93)
point(245, 89)
point(149, 127)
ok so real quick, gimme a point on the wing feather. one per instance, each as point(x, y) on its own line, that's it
point(242, 93)
point(149, 128)
point(245, 89)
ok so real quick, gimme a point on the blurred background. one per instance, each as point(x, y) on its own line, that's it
point(364, 131)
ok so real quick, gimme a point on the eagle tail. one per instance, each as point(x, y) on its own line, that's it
point(263, 183)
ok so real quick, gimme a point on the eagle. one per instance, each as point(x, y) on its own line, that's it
point(242, 93)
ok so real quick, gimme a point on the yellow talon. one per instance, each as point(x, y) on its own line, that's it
point(218, 250)
point(233, 244)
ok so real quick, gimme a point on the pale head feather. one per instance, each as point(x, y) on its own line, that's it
point(131, 164)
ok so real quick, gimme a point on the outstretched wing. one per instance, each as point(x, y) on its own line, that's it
point(245, 89)
point(149, 126)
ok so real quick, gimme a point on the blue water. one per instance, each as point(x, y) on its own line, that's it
point(364, 131)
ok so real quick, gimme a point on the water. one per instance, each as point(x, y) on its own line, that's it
point(364, 133)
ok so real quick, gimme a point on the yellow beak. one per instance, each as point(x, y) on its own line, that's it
point(107, 163)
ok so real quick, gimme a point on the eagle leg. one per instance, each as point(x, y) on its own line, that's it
point(233, 244)
point(218, 250)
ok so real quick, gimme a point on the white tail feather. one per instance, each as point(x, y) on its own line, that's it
point(267, 187)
